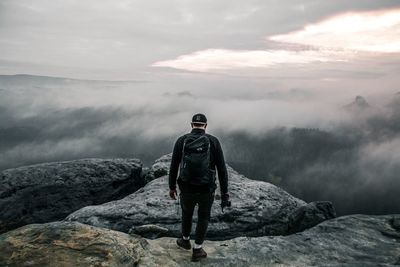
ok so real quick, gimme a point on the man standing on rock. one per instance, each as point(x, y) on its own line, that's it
point(197, 155)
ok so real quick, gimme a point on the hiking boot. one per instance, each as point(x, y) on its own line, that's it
point(185, 244)
point(198, 253)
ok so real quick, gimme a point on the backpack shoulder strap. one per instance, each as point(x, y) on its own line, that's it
point(209, 140)
point(183, 147)
point(208, 149)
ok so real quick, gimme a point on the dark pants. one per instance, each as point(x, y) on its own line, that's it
point(188, 202)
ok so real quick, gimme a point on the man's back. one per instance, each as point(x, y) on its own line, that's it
point(217, 162)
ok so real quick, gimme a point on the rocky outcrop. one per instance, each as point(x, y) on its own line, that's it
point(159, 168)
point(66, 244)
point(50, 191)
point(356, 240)
point(258, 209)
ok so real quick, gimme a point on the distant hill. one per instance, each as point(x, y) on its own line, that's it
point(35, 80)
point(359, 104)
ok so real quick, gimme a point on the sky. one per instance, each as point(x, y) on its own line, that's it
point(312, 40)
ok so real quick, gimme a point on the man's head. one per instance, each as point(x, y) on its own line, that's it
point(199, 121)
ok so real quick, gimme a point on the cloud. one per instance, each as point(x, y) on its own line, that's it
point(355, 37)
point(120, 39)
point(371, 31)
point(223, 59)
point(355, 165)
point(119, 118)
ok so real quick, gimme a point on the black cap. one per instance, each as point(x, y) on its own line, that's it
point(199, 118)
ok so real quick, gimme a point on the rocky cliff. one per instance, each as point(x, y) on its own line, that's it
point(258, 209)
point(50, 191)
point(356, 240)
point(265, 226)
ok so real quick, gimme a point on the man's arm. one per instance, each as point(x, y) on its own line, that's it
point(175, 161)
point(221, 168)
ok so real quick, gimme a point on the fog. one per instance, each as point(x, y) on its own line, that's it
point(303, 140)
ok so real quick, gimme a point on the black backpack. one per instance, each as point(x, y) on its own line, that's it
point(195, 164)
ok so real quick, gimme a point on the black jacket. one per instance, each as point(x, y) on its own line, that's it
point(216, 162)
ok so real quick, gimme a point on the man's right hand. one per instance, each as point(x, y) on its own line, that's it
point(173, 193)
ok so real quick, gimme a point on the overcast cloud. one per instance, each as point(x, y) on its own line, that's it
point(124, 39)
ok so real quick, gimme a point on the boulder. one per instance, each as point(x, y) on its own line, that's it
point(310, 214)
point(50, 191)
point(68, 244)
point(159, 168)
point(258, 209)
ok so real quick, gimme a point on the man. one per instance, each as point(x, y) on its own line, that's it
point(196, 155)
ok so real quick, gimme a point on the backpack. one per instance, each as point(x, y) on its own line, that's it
point(195, 163)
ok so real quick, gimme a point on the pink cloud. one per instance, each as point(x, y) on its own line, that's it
point(343, 37)
point(371, 31)
point(222, 59)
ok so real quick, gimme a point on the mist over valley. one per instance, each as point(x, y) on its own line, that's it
point(314, 145)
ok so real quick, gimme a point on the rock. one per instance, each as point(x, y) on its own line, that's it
point(258, 208)
point(150, 230)
point(355, 240)
point(310, 214)
point(159, 168)
point(395, 221)
point(68, 244)
point(50, 191)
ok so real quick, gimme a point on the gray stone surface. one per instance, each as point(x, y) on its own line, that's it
point(350, 241)
point(50, 191)
point(258, 208)
point(159, 168)
point(66, 244)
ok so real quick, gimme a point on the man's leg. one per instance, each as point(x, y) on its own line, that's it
point(205, 203)
point(188, 202)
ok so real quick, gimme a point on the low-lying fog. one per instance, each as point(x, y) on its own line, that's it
point(311, 140)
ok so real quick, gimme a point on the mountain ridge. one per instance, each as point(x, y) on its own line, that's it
point(59, 78)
